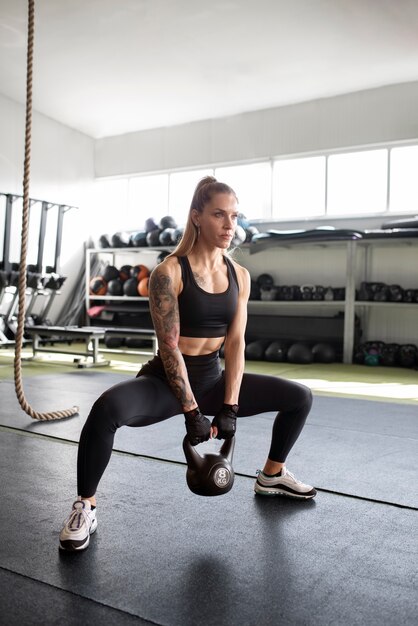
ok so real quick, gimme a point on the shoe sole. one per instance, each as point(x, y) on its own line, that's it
point(266, 491)
point(69, 545)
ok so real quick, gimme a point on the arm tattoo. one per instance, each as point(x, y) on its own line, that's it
point(165, 317)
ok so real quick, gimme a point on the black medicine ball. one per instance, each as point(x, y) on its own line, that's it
point(125, 272)
point(254, 351)
point(299, 352)
point(167, 222)
point(110, 273)
point(153, 238)
point(276, 351)
point(130, 287)
point(323, 353)
point(166, 237)
point(139, 239)
point(150, 225)
point(265, 280)
point(115, 287)
point(120, 240)
point(104, 241)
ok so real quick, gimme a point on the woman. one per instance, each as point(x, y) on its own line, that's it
point(198, 301)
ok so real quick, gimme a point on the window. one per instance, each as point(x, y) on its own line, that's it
point(252, 184)
point(182, 186)
point(148, 198)
point(357, 182)
point(299, 187)
point(404, 179)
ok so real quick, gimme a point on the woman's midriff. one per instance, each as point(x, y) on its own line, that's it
point(195, 346)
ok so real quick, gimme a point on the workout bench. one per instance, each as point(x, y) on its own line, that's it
point(91, 337)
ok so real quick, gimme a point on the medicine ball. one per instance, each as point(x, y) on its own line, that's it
point(177, 235)
point(110, 273)
point(299, 352)
point(254, 351)
point(166, 237)
point(98, 286)
point(265, 280)
point(120, 240)
point(130, 287)
point(162, 255)
point(138, 239)
point(139, 272)
point(323, 353)
point(276, 351)
point(104, 241)
point(125, 272)
point(239, 236)
point(167, 222)
point(115, 287)
point(143, 287)
point(150, 225)
point(153, 238)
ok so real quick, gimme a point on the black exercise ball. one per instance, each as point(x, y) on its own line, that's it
point(138, 239)
point(115, 287)
point(150, 225)
point(323, 353)
point(130, 287)
point(104, 241)
point(125, 272)
point(166, 237)
point(299, 352)
point(265, 280)
point(167, 222)
point(120, 240)
point(153, 238)
point(254, 351)
point(276, 351)
point(110, 272)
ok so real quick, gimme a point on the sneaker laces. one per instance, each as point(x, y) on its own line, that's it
point(77, 515)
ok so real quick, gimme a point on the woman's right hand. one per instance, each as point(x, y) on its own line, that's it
point(198, 427)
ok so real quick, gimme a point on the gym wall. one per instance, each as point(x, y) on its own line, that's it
point(365, 117)
point(62, 171)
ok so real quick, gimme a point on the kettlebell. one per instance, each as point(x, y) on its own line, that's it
point(210, 474)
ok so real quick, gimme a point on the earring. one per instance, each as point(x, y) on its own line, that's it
point(198, 230)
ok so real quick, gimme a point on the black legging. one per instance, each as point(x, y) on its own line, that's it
point(148, 399)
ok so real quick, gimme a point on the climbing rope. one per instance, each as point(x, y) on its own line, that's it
point(55, 415)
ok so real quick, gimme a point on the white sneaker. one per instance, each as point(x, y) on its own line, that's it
point(283, 484)
point(77, 528)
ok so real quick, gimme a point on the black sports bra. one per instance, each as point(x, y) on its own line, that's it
point(204, 314)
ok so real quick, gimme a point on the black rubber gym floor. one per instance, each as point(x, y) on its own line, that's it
point(162, 555)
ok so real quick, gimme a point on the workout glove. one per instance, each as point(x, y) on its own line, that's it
point(197, 426)
point(225, 421)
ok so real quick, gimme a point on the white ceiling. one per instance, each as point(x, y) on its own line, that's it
point(108, 67)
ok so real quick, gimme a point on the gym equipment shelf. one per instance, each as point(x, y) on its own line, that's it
point(259, 307)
